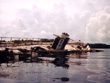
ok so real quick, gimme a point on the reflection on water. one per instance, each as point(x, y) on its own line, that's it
point(99, 63)
point(73, 68)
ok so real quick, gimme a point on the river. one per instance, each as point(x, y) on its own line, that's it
point(88, 67)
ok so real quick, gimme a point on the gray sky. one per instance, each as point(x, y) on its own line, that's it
point(85, 20)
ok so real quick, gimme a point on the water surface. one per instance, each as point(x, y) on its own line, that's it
point(74, 68)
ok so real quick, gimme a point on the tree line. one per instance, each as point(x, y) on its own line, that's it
point(28, 41)
point(99, 45)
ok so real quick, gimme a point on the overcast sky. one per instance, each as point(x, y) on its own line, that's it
point(85, 20)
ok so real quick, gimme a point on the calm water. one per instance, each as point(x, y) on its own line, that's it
point(75, 68)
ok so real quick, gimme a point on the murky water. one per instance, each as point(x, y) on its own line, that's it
point(75, 68)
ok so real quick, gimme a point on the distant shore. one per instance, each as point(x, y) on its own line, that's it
point(99, 45)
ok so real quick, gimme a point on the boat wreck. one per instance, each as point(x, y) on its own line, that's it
point(61, 44)
point(60, 47)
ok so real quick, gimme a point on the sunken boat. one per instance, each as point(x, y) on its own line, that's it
point(61, 45)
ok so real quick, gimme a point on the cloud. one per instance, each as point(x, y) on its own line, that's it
point(79, 18)
point(98, 27)
point(36, 20)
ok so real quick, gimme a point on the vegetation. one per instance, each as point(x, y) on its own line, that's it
point(99, 45)
point(28, 41)
point(46, 40)
point(17, 41)
point(2, 41)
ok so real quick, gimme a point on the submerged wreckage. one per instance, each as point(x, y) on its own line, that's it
point(58, 45)
point(61, 46)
